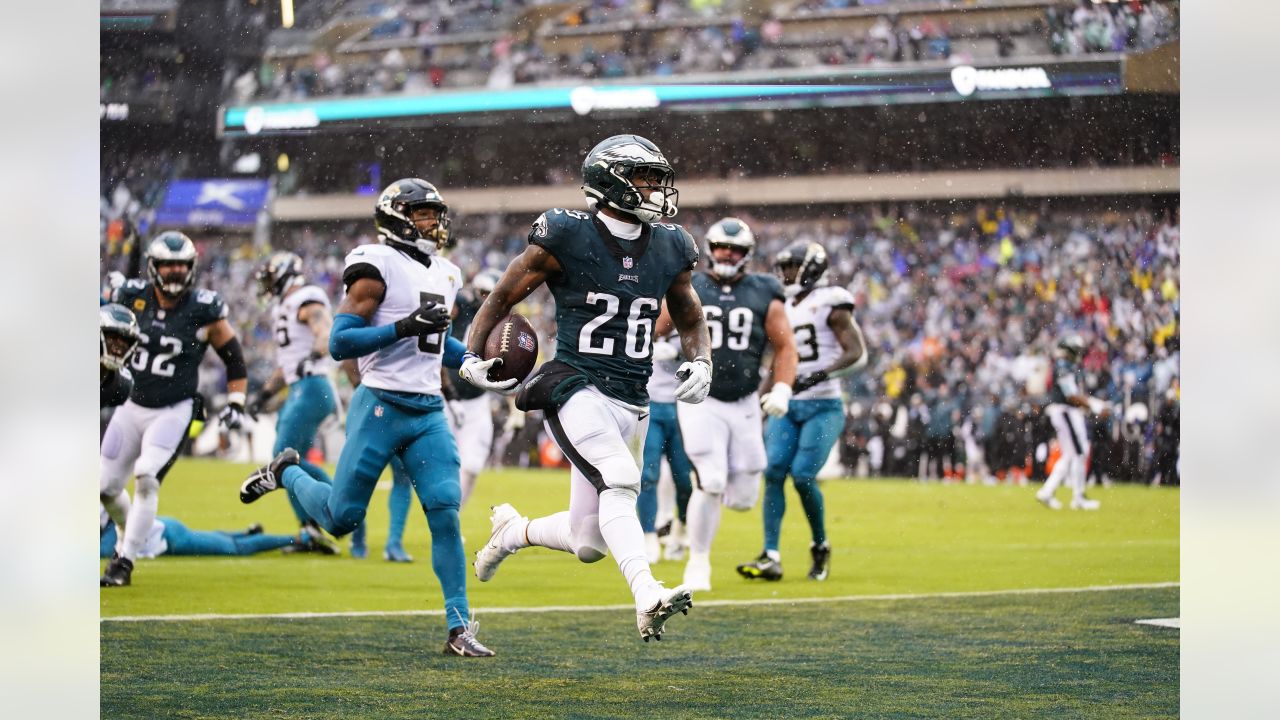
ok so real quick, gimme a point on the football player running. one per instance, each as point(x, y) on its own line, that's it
point(176, 323)
point(722, 436)
point(1067, 405)
point(608, 271)
point(301, 323)
point(471, 415)
point(118, 337)
point(829, 344)
point(395, 319)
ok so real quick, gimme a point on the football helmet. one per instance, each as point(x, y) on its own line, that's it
point(810, 259)
point(118, 335)
point(171, 246)
point(730, 232)
point(1071, 346)
point(609, 172)
point(282, 271)
point(485, 281)
point(391, 215)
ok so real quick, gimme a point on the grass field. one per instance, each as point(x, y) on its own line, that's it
point(1069, 654)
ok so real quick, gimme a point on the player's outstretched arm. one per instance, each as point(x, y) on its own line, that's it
point(351, 336)
point(683, 309)
point(523, 276)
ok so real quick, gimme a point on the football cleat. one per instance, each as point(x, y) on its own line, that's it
point(762, 568)
point(462, 641)
point(119, 573)
point(313, 540)
point(267, 478)
point(1050, 502)
point(821, 561)
point(492, 554)
point(697, 572)
point(652, 622)
point(1085, 504)
point(254, 529)
point(676, 542)
point(396, 553)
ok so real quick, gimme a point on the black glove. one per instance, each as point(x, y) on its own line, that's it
point(257, 403)
point(808, 381)
point(431, 317)
point(307, 365)
point(232, 416)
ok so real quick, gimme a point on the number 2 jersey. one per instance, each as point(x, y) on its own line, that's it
point(609, 295)
point(166, 365)
point(735, 316)
point(412, 364)
point(294, 338)
point(816, 343)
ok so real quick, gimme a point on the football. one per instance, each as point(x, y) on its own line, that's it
point(514, 340)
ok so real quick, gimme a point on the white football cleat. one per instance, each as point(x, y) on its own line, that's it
point(697, 572)
point(1050, 502)
point(676, 542)
point(652, 621)
point(1084, 504)
point(493, 553)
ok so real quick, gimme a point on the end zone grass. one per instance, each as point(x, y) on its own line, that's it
point(1060, 655)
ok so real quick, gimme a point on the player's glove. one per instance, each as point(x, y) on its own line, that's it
point(476, 371)
point(808, 381)
point(307, 365)
point(259, 401)
point(776, 401)
point(695, 377)
point(232, 416)
point(431, 317)
point(664, 351)
point(515, 421)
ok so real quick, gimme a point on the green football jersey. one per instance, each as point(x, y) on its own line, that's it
point(166, 365)
point(609, 295)
point(735, 316)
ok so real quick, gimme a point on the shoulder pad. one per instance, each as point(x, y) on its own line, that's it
point(834, 296)
point(205, 296)
point(772, 284)
point(128, 291)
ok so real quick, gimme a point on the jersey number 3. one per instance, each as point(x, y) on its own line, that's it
point(639, 329)
point(807, 341)
point(433, 343)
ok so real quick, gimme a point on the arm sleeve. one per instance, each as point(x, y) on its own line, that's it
point(351, 337)
point(453, 352)
point(233, 357)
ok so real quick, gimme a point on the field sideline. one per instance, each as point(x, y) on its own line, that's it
point(956, 601)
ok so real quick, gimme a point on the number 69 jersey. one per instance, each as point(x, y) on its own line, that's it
point(816, 342)
point(609, 295)
point(410, 365)
point(166, 365)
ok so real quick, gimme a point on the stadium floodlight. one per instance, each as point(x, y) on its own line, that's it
point(286, 13)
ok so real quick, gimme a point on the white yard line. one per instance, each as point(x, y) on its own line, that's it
point(580, 608)
point(1175, 623)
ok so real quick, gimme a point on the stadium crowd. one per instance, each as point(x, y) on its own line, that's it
point(417, 65)
point(961, 309)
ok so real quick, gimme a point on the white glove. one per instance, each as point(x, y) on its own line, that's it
point(515, 421)
point(696, 377)
point(776, 401)
point(1096, 406)
point(476, 371)
point(664, 351)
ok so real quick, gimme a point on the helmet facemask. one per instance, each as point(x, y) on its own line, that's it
point(170, 248)
point(282, 271)
point(730, 233)
point(118, 336)
point(618, 171)
point(393, 216)
point(809, 261)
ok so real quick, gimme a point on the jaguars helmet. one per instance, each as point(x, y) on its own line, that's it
point(608, 174)
point(810, 257)
point(1071, 347)
point(485, 281)
point(282, 271)
point(118, 335)
point(168, 247)
point(730, 232)
point(391, 215)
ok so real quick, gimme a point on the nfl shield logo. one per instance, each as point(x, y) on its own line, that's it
point(525, 342)
point(627, 262)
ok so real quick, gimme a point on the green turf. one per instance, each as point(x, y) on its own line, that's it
point(887, 536)
point(1048, 655)
point(1059, 656)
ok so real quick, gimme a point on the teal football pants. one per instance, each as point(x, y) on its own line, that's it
point(309, 402)
point(798, 444)
point(663, 439)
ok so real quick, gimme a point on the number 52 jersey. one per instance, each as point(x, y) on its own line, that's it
point(166, 365)
point(816, 342)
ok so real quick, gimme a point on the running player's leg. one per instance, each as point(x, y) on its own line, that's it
point(1069, 447)
point(818, 434)
point(161, 441)
point(121, 445)
point(474, 437)
point(374, 429)
point(431, 461)
point(781, 438)
point(650, 472)
point(706, 440)
point(678, 461)
point(398, 502)
point(310, 401)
